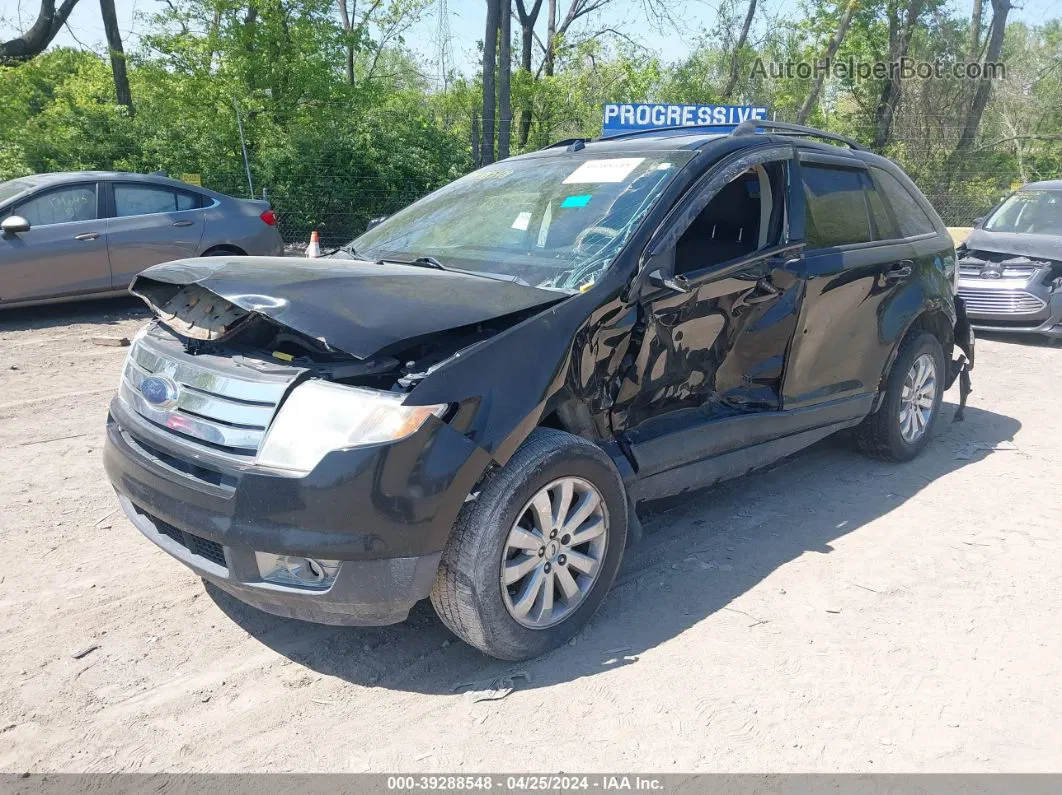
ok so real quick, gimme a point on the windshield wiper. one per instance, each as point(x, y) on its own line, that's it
point(346, 248)
point(431, 262)
point(420, 262)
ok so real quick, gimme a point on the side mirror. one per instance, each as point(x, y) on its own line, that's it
point(978, 221)
point(14, 224)
point(375, 222)
point(677, 284)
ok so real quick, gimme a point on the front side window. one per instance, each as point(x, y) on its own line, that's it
point(147, 199)
point(835, 210)
point(61, 206)
point(1032, 212)
point(746, 216)
point(554, 222)
point(912, 219)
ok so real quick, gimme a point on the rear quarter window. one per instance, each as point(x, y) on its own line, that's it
point(910, 216)
point(836, 211)
point(150, 199)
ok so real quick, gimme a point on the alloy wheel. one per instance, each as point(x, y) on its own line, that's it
point(554, 552)
point(918, 398)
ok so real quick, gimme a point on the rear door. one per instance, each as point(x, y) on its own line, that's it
point(64, 252)
point(855, 265)
point(150, 224)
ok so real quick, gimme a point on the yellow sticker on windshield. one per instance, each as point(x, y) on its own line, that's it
point(615, 169)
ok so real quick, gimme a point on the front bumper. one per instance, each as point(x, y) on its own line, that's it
point(1013, 306)
point(384, 511)
point(364, 593)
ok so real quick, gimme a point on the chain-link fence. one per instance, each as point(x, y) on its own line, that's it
point(958, 210)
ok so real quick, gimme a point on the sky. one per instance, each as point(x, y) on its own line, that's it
point(465, 19)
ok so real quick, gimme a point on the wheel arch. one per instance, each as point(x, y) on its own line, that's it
point(222, 249)
point(562, 411)
point(934, 319)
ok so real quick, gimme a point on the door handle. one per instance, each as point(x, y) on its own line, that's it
point(183, 223)
point(87, 236)
point(899, 271)
point(765, 291)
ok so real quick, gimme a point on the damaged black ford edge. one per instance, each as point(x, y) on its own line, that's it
point(468, 402)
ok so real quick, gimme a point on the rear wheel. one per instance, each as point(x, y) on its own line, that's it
point(531, 559)
point(900, 429)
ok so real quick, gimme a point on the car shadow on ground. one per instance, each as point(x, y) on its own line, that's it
point(102, 313)
point(700, 553)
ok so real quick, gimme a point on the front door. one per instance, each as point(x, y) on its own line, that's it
point(151, 224)
point(64, 252)
point(720, 299)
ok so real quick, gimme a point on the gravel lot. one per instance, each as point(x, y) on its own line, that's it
point(831, 614)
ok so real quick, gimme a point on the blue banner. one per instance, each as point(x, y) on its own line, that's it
point(628, 117)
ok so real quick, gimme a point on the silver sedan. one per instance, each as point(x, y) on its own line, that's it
point(88, 233)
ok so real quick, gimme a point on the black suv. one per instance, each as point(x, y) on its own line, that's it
point(468, 401)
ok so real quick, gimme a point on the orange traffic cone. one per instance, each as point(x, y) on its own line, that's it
point(314, 249)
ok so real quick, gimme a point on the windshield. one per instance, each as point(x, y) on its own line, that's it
point(554, 222)
point(13, 187)
point(1033, 212)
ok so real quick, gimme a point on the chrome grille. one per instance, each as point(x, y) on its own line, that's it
point(1000, 302)
point(968, 268)
point(216, 402)
point(1002, 266)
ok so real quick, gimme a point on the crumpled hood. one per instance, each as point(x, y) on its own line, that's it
point(1039, 246)
point(361, 308)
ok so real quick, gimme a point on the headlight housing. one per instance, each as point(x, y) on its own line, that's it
point(319, 417)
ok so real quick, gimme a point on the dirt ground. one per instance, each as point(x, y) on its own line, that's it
point(831, 614)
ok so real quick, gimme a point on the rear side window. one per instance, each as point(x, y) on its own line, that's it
point(910, 216)
point(836, 212)
point(60, 206)
point(147, 199)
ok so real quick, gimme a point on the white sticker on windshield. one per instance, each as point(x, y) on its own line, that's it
point(523, 220)
point(543, 232)
point(612, 170)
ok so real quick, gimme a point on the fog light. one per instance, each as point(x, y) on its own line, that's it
point(295, 570)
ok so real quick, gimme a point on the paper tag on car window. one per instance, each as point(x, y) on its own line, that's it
point(522, 221)
point(614, 169)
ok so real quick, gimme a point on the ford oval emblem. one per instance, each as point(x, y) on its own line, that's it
point(159, 391)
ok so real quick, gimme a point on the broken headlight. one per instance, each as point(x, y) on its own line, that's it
point(319, 417)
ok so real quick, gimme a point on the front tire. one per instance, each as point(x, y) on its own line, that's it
point(531, 559)
point(900, 429)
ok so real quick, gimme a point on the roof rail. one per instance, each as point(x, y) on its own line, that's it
point(567, 142)
point(750, 127)
point(651, 130)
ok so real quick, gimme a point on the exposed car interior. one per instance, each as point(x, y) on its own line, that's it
point(747, 215)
